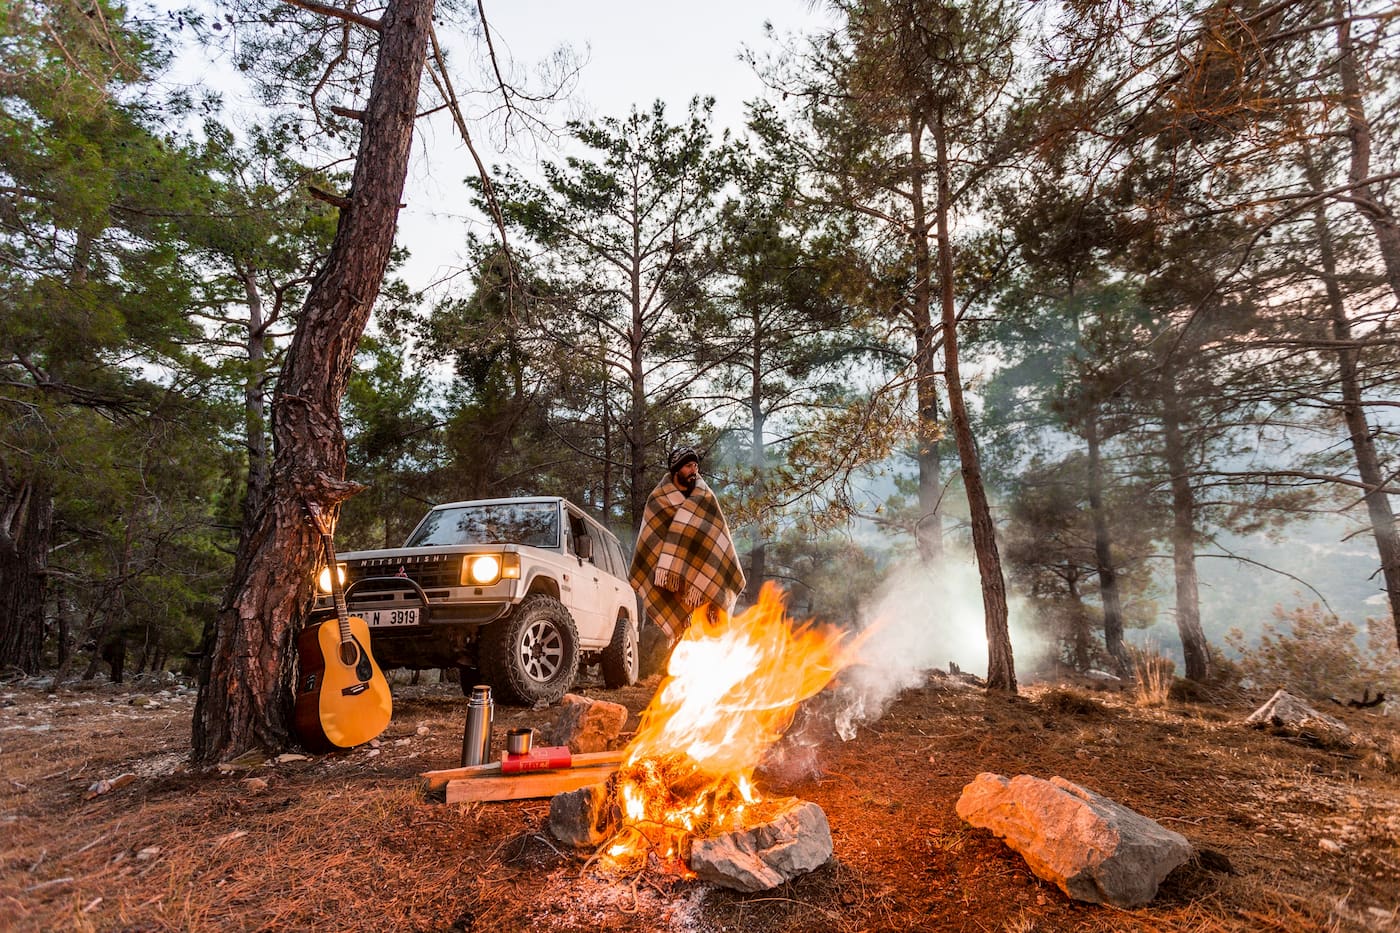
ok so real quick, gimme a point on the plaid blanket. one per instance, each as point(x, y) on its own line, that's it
point(685, 556)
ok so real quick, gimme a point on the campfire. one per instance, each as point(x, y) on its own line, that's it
point(685, 793)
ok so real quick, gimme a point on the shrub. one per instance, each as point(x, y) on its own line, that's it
point(1315, 654)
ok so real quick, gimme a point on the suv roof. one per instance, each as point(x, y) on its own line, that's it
point(503, 501)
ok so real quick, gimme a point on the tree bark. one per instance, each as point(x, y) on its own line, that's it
point(636, 428)
point(1368, 465)
point(255, 401)
point(1364, 196)
point(928, 532)
point(1001, 668)
point(1103, 551)
point(758, 551)
point(1080, 634)
point(26, 525)
point(245, 699)
point(1188, 599)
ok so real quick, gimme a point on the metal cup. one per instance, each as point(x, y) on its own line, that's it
point(518, 741)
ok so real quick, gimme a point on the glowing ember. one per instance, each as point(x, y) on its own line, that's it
point(732, 687)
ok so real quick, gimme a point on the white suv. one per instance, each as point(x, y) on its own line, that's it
point(517, 593)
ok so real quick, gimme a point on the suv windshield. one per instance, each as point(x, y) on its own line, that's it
point(535, 524)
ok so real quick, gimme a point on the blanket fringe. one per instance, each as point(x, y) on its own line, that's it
point(669, 580)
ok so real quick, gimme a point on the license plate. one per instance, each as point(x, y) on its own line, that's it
point(386, 618)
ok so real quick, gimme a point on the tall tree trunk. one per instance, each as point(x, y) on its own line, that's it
point(1001, 667)
point(1188, 599)
point(1103, 550)
point(1368, 465)
point(245, 698)
point(26, 525)
point(928, 532)
point(1364, 195)
point(1080, 637)
point(605, 499)
point(758, 551)
point(255, 401)
point(637, 430)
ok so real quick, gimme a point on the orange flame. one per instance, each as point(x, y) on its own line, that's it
point(732, 688)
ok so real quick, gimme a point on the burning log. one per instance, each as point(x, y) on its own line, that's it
point(684, 799)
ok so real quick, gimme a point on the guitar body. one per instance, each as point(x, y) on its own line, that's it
point(342, 698)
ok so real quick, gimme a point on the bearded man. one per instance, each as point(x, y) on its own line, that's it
point(685, 558)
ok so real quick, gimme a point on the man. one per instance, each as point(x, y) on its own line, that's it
point(685, 558)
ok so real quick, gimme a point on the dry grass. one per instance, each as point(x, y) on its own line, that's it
point(1153, 675)
point(344, 842)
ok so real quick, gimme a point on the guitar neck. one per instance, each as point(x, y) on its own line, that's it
point(342, 612)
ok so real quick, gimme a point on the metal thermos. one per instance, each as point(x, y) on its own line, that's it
point(476, 738)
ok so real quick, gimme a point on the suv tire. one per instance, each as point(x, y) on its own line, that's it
point(620, 657)
point(531, 656)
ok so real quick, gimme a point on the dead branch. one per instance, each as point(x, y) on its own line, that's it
point(321, 194)
point(349, 16)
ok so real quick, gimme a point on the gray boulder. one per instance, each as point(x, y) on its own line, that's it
point(1292, 716)
point(1088, 846)
point(586, 724)
point(586, 817)
point(795, 841)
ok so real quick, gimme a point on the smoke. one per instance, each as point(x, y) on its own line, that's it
point(918, 620)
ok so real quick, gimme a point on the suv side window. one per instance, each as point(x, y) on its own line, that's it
point(578, 528)
point(619, 563)
point(602, 546)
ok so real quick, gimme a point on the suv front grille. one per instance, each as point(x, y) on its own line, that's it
point(428, 572)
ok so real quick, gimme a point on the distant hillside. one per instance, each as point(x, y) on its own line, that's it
point(1235, 594)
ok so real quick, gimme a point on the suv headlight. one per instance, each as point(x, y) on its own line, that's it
point(323, 580)
point(486, 569)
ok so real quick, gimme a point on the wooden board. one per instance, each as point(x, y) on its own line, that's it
point(435, 781)
point(527, 785)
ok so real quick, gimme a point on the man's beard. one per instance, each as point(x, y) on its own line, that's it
point(687, 483)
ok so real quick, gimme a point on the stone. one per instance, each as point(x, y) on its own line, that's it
point(107, 785)
point(586, 817)
point(1290, 715)
point(757, 858)
point(1088, 846)
point(586, 724)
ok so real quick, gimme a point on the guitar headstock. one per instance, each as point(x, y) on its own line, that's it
point(320, 518)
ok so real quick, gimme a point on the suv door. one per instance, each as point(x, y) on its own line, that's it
point(585, 596)
point(616, 581)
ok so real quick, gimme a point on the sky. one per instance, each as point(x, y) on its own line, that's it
point(632, 54)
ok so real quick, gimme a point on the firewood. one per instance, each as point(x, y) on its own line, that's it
point(433, 782)
point(527, 784)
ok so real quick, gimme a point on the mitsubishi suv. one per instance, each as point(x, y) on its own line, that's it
point(518, 593)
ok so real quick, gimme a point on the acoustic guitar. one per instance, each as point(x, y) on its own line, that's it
point(342, 698)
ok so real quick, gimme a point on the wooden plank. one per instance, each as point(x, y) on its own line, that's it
point(435, 781)
point(527, 785)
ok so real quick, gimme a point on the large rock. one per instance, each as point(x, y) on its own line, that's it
point(1288, 714)
point(586, 817)
point(586, 725)
point(1090, 847)
point(793, 843)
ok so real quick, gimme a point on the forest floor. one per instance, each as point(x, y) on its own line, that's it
point(1294, 837)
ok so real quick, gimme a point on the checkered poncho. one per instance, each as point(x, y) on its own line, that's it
point(685, 556)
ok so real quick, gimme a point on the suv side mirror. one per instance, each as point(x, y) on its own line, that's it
point(584, 545)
